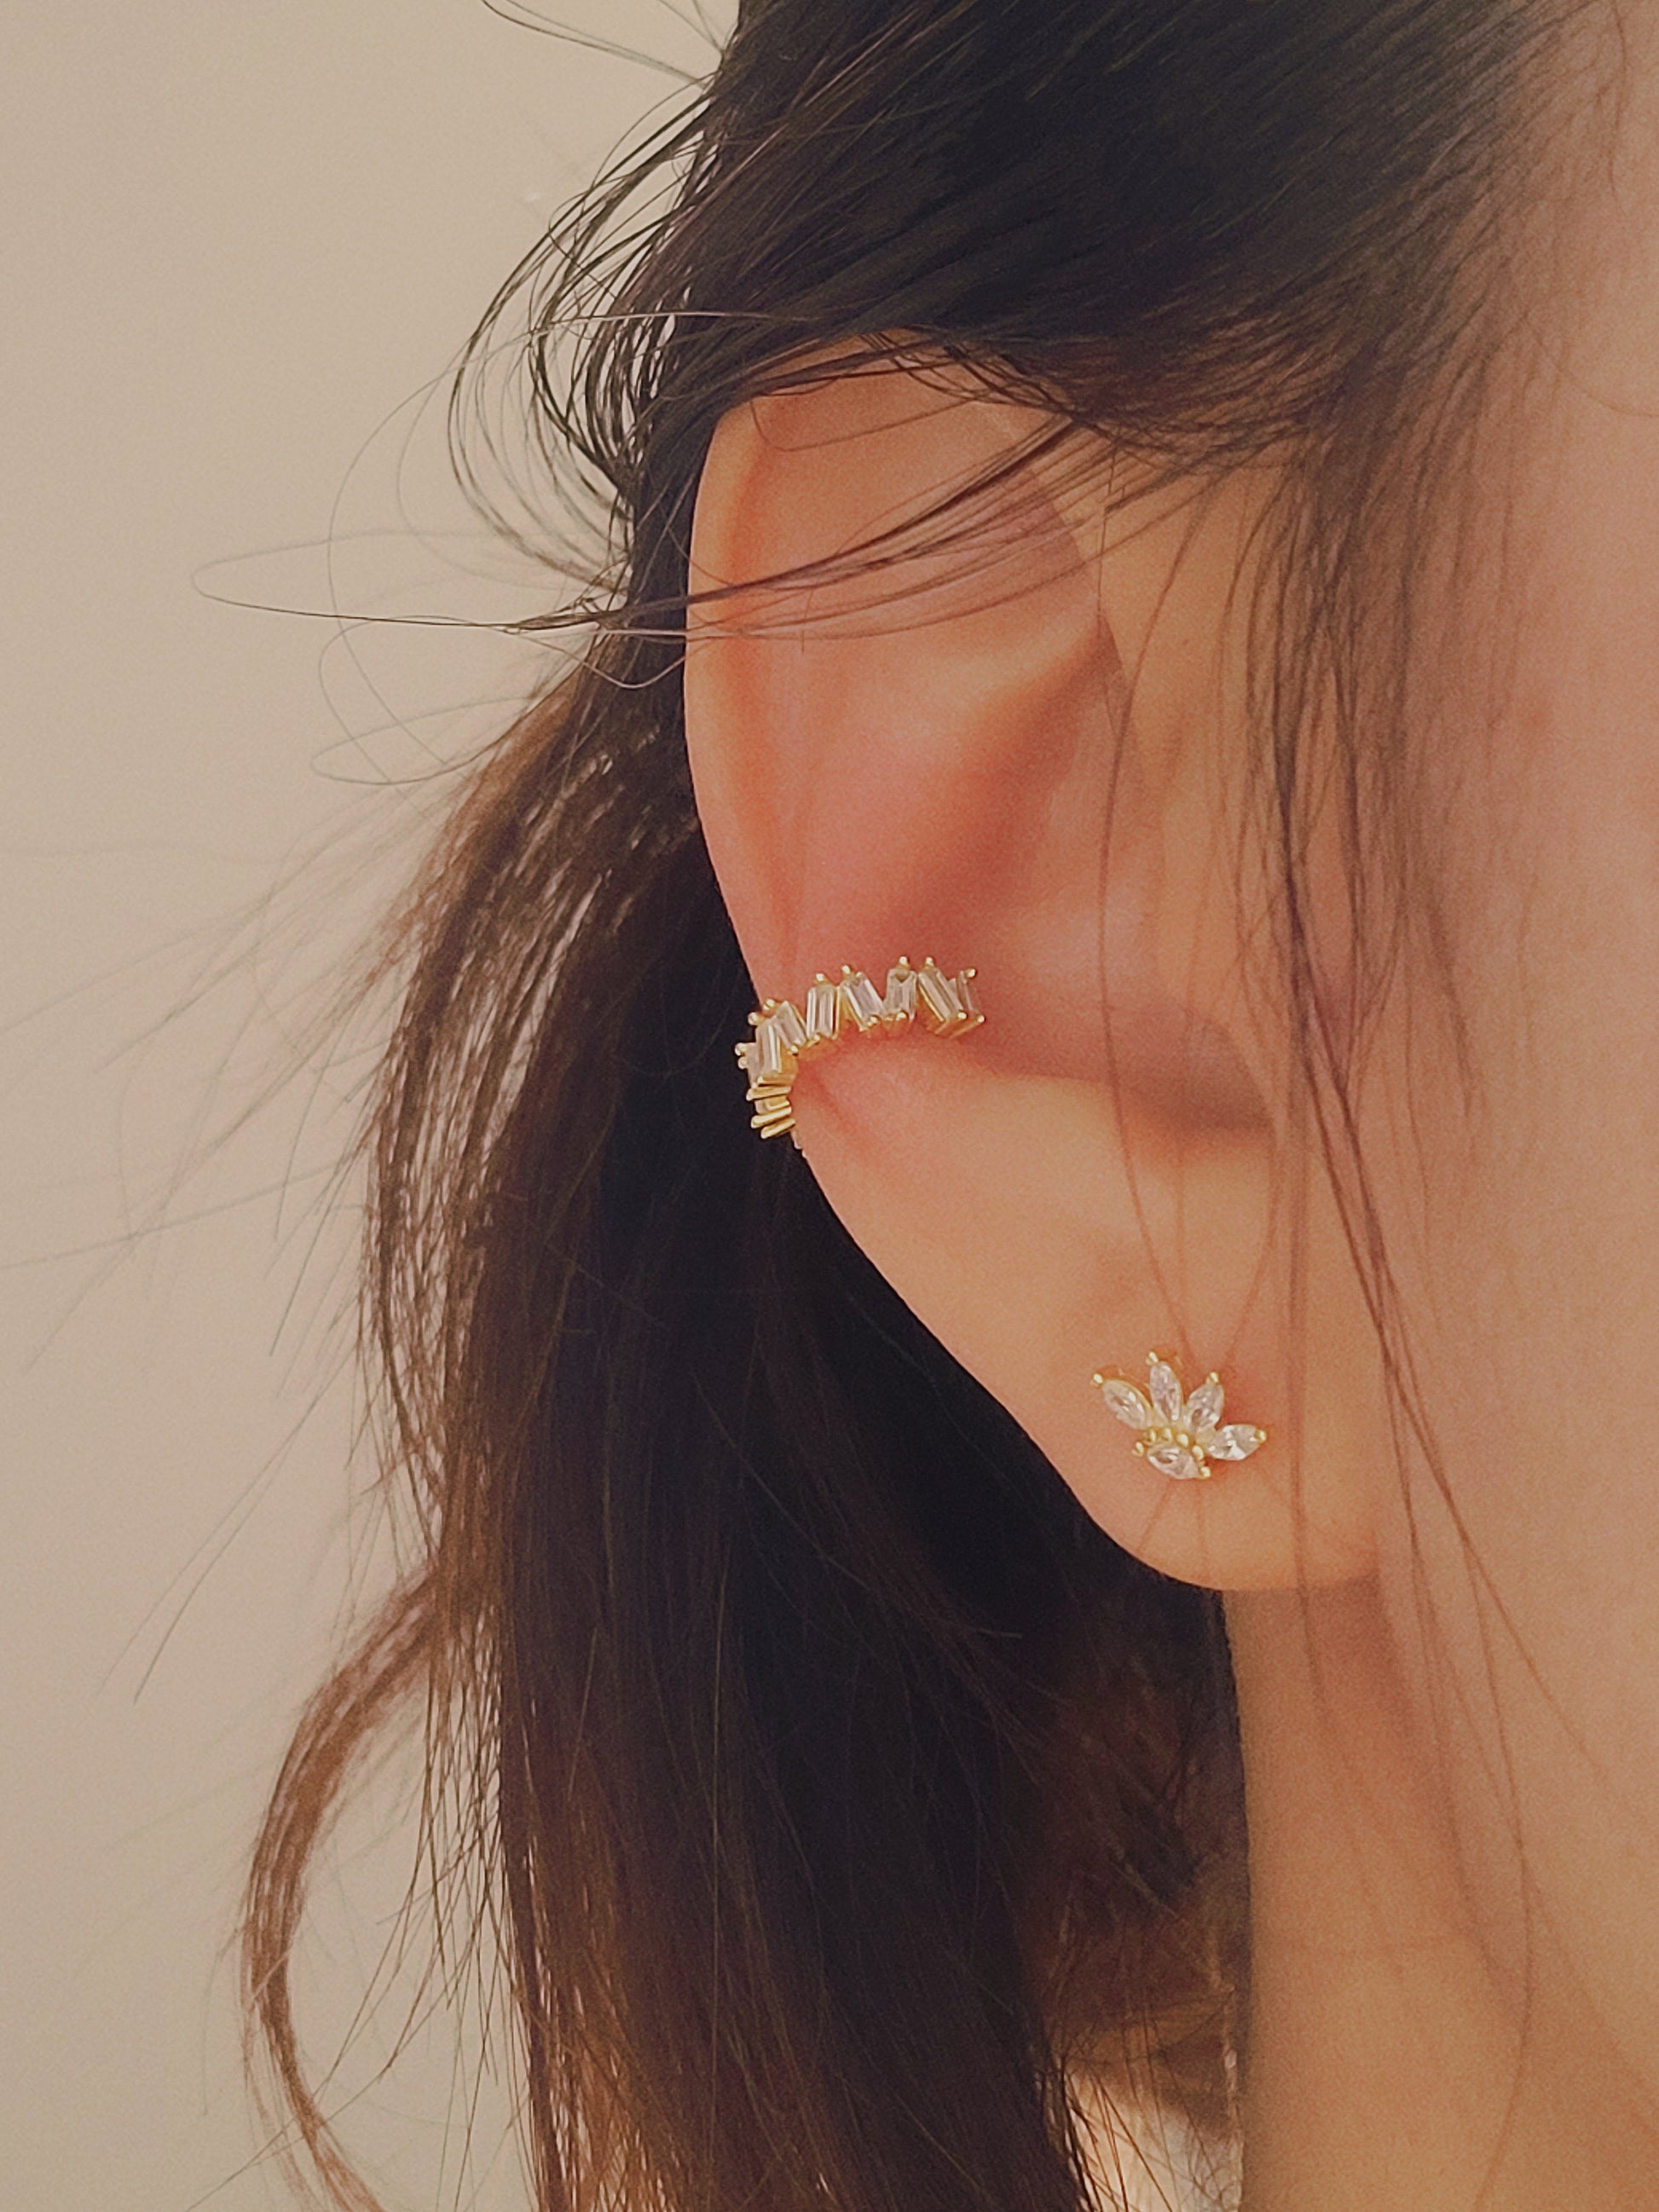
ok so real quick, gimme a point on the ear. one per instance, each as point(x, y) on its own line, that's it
point(1020, 751)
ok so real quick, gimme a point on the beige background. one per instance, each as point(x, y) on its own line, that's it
point(237, 240)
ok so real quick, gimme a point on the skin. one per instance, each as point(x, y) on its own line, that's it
point(1447, 1661)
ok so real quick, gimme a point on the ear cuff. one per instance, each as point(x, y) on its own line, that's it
point(784, 1035)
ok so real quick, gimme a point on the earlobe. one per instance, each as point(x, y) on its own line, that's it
point(944, 755)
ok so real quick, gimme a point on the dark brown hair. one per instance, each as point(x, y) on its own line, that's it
point(845, 1796)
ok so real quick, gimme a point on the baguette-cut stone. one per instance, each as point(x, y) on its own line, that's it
point(822, 1012)
point(791, 1028)
point(777, 1061)
point(970, 1005)
point(900, 1004)
point(860, 998)
point(940, 1002)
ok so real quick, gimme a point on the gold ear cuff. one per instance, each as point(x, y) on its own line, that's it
point(1179, 1436)
point(785, 1035)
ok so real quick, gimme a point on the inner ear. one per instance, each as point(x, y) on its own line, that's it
point(899, 691)
point(910, 728)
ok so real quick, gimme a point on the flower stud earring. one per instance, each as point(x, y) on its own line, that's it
point(784, 1035)
point(1178, 1435)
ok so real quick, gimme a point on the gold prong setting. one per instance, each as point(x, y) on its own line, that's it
point(1179, 1436)
point(844, 1005)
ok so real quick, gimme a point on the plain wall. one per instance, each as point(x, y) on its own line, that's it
point(240, 243)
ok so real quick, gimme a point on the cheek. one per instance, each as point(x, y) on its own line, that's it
point(1517, 1167)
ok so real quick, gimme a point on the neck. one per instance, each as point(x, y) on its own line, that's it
point(1389, 2070)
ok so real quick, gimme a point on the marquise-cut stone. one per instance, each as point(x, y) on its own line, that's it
point(861, 1000)
point(1166, 1386)
point(1236, 1443)
point(1127, 1402)
point(1204, 1407)
point(1176, 1461)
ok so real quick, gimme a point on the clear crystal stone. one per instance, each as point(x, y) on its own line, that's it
point(861, 1000)
point(1236, 1443)
point(1165, 1385)
point(822, 1012)
point(1127, 1402)
point(900, 1004)
point(791, 1028)
point(970, 1005)
point(1176, 1461)
point(777, 1061)
point(939, 998)
point(1204, 1407)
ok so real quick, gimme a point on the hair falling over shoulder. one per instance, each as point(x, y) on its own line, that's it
point(848, 1803)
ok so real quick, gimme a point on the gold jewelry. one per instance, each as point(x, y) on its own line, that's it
point(784, 1035)
point(1178, 1435)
